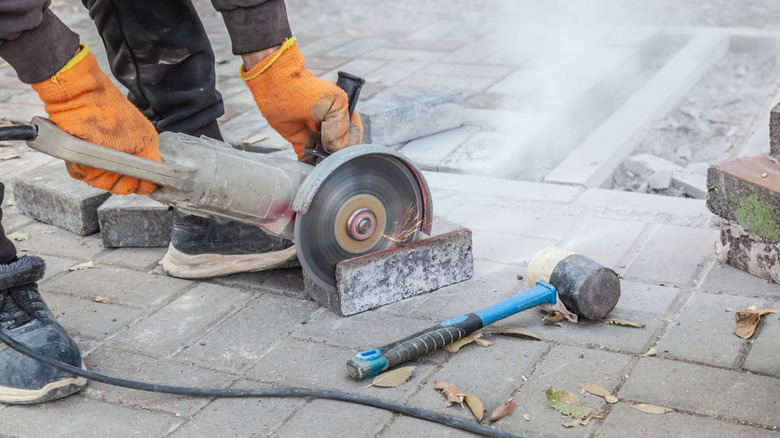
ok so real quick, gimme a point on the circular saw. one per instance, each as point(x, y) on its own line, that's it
point(367, 198)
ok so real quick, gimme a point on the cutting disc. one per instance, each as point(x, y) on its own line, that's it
point(367, 204)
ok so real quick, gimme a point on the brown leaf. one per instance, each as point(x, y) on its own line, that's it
point(484, 342)
point(526, 417)
point(80, 266)
point(515, 331)
point(747, 321)
point(651, 409)
point(623, 323)
point(104, 300)
point(651, 352)
point(392, 379)
point(457, 345)
point(600, 391)
point(554, 317)
point(449, 390)
point(475, 405)
point(254, 139)
point(7, 155)
point(502, 411)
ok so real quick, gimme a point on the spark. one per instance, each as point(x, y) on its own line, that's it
point(405, 228)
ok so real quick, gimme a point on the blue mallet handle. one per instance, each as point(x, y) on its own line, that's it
point(372, 362)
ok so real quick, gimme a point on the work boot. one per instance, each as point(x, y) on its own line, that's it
point(215, 247)
point(27, 319)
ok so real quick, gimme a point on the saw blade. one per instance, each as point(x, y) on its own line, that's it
point(367, 204)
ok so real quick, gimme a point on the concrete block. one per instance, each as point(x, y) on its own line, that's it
point(408, 114)
point(134, 220)
point(643, 164)
point(774, 133)
point(50, 195)
point(747, 191)
point(390, 275)
point(749, 251)
point(693, 184)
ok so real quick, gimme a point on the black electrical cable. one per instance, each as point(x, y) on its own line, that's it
point(423, 414)
point(18, 132)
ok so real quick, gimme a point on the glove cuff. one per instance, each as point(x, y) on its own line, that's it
point(287, 58)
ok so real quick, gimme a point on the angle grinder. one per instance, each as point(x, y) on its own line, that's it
point(354, 202)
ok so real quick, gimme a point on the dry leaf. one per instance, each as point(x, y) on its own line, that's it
point(7, 155)
point(668, 285)
point(577, 422)
point(554, 317)
point(651, 409)
point(519, 276)
point(747, 321)
point(651, 352)
point(475, 405)
point(502, 411)
point(599, 391)
point(624, 323)
point(254, 139)
point(17, 236)
point(392, 379)
point(515, 331)
point(449, 390)
point(4, 144)
point(104, 300)
point(457, 345)
point(375, 79)
point(484, 342)
point(85, 265)
point(526, 417)
point(220, 61)
point(567, 403)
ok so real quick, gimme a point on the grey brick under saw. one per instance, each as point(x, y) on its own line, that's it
point(134, 220)
point(774, 133)
point(50, 195)
point(390, 275)
point(393, 118)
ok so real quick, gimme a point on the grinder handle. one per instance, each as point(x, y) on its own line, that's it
point(351, 85)
point(372, 362)
point(54, 141)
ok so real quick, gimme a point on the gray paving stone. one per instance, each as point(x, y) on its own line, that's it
point(728, 279)
point(404, 427)
point(113, 362)
point(231, 347)
point(285, 282)
point(395, 273)
point(122, 286)
point(76, 417)
point(390, 73)
point(51, 196)
point(55, 266)
point(333, 418)
point(542, 222)
point(358, 67)
point(662, 261)
point(762, 357)
point(89, 321)
point(462, 83)
point(774, 133)
point(134, 220)
point(646, 298)
point(495, 191)
point(704, 331)
point(698, 389)
point(624, 420)
point(607, 241)
point(132, 258)
point(404, 115)
point(564, 368)
point(324, 45)
point(243, 126)
point(356, 48)
point(429, 151)
point(509, 248)
point(749, 251)
point(693, 210)
point(50, 240)
point(404, 54)
point(179, 324)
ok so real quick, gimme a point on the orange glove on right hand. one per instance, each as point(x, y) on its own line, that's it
point(83, 101)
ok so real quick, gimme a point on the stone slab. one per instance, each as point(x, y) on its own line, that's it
point(749, 251)
point(400, 116)
point(134, 220)
point(392, 274)
point(747, 191)
point(774, 133)
point(51, 196)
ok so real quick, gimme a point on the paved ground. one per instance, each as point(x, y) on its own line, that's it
point(259, 330)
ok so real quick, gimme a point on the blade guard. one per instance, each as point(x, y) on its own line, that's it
point(320, 173)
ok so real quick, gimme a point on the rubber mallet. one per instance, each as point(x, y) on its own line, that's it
point(584, 287)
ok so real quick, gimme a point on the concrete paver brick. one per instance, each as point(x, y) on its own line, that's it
point(390, 73)
point(471, 53)
point(122, 286)
point(508, 248)
point(51, 196)
point(50, 240)
point(181, 322)
point(704, 390)
point(76, 416)
point(649, 205)
point(749, 251)
point(623, 419)
point(704, 331)
point(407, 114)
point(106, 360)
point(404, 55)
point(358, 67)
point(133, 258)
point(462, 83)
point(662, 261)
point(428, 152)
point(728, 279)
point(232, 348)
point(355, 48)
point(331, 419)
point(134, 220)
point(774, 133)
point(762, 357)
point(243, 126)
point(607, 241)
point(645, 298)
point(286, 282)
point(495, 191)
point(324, 45)
point(88, 320)
point(22, 107)
point(55, 266)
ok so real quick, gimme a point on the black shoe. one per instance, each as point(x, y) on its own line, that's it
point(214, 247)
point(27, 319)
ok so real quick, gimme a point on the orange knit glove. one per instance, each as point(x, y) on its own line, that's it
point(300, 107)
point(83, 101)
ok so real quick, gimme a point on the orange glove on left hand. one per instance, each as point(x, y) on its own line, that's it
point(300, 107)
point(83, 101)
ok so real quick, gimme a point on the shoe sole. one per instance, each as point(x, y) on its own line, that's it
point(180, 265)
point(52, 391)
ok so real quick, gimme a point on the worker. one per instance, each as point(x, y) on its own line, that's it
point(161, 53)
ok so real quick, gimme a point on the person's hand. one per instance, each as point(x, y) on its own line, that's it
point(83, 101)
point(300, 107)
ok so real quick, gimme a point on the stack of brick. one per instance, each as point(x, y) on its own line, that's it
point(745, 193)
